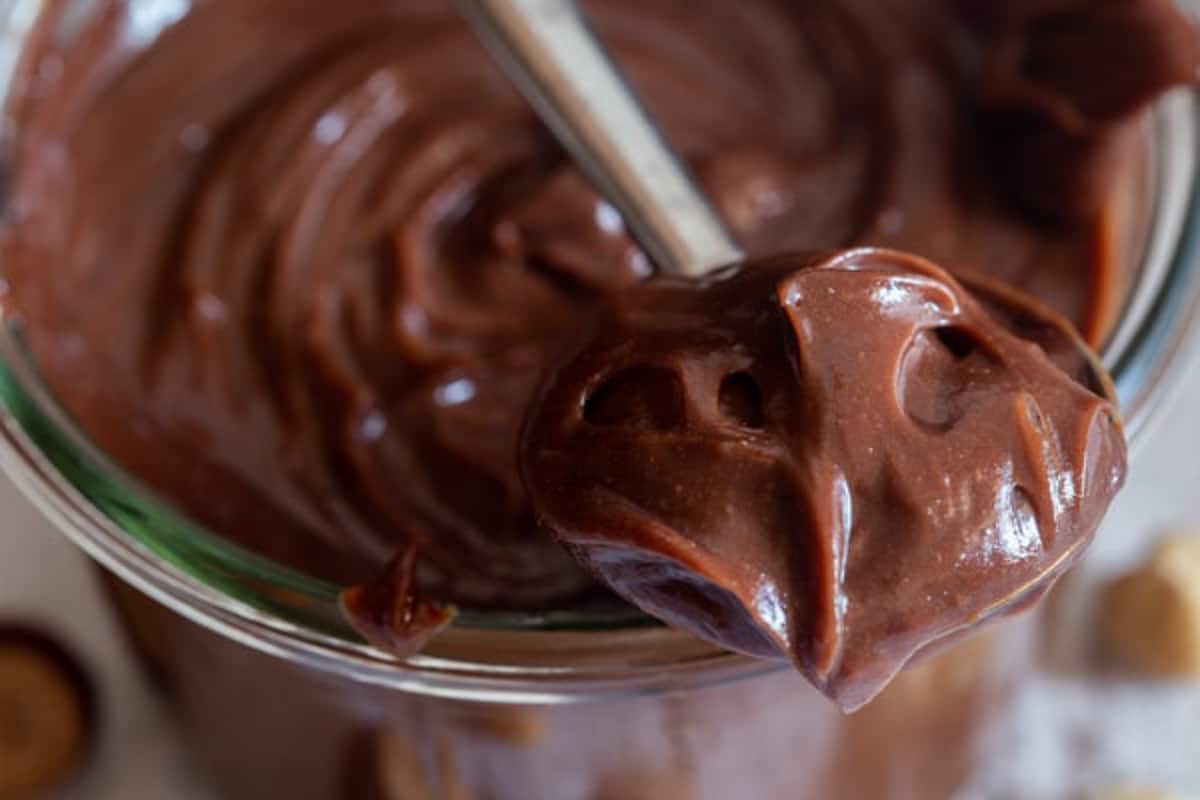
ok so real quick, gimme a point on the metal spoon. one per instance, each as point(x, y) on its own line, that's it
point(551, 54)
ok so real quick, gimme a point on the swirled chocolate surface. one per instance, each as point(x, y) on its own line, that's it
point(298, 265)
point(840, 460)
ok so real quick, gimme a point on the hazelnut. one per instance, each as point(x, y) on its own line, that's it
point(46, 712)
point(1150, 618)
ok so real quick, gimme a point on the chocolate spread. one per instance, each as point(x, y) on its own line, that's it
point(299, 265)
point(842, 460)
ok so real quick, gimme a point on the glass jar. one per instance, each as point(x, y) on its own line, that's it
point(279, 697)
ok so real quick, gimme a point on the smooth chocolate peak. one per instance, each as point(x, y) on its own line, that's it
point(842, 460)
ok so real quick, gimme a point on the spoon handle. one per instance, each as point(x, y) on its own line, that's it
point(556, 61)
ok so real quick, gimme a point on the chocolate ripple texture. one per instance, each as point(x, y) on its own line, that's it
point(299, 265)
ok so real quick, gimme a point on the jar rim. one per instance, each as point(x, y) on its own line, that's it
point(547, 657)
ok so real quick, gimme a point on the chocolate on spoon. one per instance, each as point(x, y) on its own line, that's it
point(840, 460)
